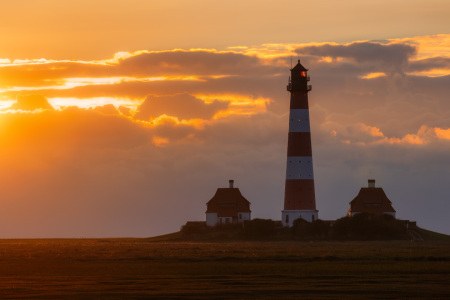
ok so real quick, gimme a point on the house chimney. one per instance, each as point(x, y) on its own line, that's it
point(371, 183)
point(231, 183)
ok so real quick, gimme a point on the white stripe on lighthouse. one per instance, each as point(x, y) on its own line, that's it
point(299, 120)
point(299, 167)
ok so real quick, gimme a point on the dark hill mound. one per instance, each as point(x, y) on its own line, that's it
point(362, 227)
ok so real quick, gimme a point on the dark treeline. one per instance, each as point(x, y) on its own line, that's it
point(359, 227)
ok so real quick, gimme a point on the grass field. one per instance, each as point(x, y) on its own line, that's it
point(143, 268)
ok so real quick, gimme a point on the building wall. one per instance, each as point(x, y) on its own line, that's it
point(244, 216)
point(289, 216)
point(390, 213)
point(211, 219)
point(226, 220)
point(357, 212)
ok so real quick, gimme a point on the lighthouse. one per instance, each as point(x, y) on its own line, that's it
point(299, 194)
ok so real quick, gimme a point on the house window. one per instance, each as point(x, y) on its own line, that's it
point(240, 217)
point(287, 219)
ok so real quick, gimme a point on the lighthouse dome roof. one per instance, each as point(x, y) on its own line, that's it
point(299, 67)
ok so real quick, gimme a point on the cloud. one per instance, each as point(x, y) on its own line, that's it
point(30, 103)
point(123, 177)
point(139, 66)
point(393, 56)
point(194, 62)
point(353, 72)
point(183, 106)
point(442, 133)
point(112, 172)
point(144, 147)
point(126, 111)
point(430, 64)
point(366, 135)
point(108, 109)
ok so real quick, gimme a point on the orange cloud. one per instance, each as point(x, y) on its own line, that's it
point(128, 77)
point(62, 102)
point(373, 131)
point(443, 134)
point(172, 121)
point(182, 106)
point(238, 104)
point(429, 45)
point(425, 135)
point(30, 103)
point(160, 141)
point(413, 139)
point(373, 75)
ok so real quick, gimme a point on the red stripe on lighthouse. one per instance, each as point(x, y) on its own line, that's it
point(299, 100)
point(299, 144)
point(299, 195)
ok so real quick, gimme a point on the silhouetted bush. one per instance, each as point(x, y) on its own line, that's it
point(320, 229)
point(366, 226)
point(200, 231)
point(359, 227)
point(302, 229)
point(225, 232)
point(193, 229)
point(259, 229)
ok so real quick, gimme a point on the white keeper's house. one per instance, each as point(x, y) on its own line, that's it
point(371, 200)
point(228, 206)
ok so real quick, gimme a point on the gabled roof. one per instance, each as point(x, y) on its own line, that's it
point(371, 200)
point(299, 67)
point(228, 202)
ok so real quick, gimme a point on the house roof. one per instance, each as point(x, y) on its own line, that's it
point(371, 200)
point(228, 202)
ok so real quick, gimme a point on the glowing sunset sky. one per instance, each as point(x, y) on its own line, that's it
point(122, 118)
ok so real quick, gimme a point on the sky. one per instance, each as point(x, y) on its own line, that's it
point(122, 118)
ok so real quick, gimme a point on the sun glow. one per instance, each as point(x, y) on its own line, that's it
point(70, 83)
point(60, 103)
point(74, 82)
point(5, 104)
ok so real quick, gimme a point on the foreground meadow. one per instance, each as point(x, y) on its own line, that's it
point(140, 268)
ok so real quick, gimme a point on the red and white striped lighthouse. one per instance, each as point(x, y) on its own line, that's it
point(299, 195)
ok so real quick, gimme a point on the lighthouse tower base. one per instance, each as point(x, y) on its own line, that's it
point(289, 216)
